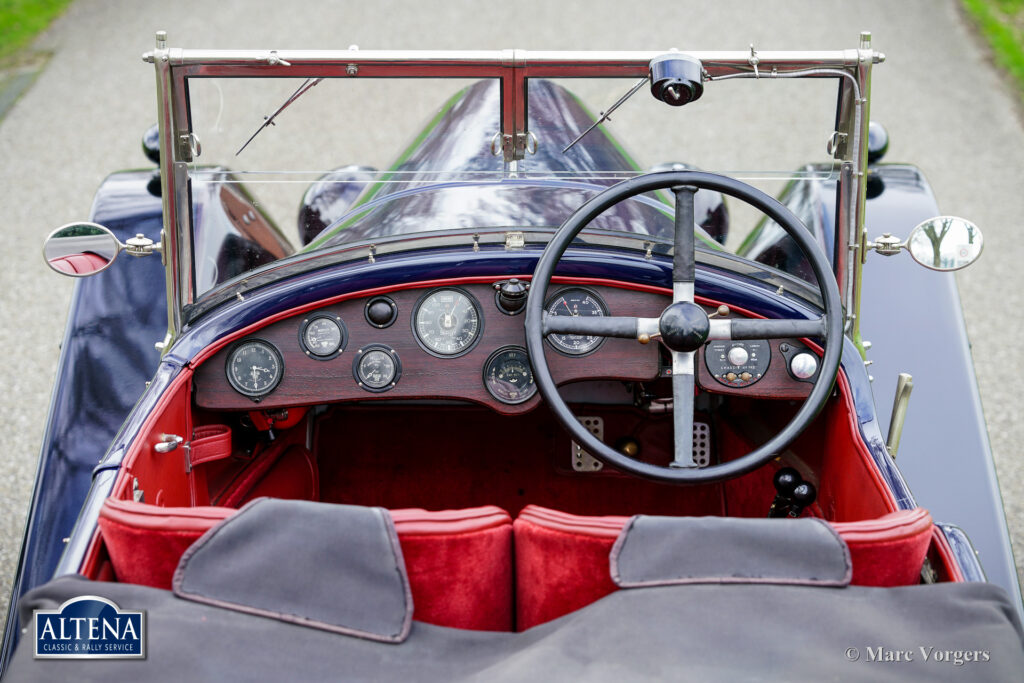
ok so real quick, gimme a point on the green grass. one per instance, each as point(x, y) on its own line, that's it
point(23, 20)
point(1001, 22)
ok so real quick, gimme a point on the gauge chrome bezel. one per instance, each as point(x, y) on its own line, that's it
point(494, 357)
point(310, 353)
point(256, 396)
point(604, 311)
point(479, 316)
point(361, 352)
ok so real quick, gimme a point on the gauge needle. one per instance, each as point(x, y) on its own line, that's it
point(564, 303)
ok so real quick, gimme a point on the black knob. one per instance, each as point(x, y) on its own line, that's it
point(511, 296)
point(803, 495)
point(151, 144)
point(381, 311)
point(786, 480)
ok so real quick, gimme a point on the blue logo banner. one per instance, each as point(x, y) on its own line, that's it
point(90, 627)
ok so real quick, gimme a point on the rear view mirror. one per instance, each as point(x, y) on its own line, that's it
point(81, 249)
point(945, 243)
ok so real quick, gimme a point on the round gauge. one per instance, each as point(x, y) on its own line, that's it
point(576, 302)
point(322, 336)
point(376, 367)
point(254, 368)
point(447, 322)
point(508, 376)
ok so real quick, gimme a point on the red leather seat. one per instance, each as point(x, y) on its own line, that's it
point(562, 559)
point(459, 562)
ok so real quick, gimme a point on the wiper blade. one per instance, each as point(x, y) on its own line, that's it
point(605, 115)
point(299, 92)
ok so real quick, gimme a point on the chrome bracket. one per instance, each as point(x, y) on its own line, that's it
point(886, 245)
point(140, 245)
point(138, 495)
point(188, 147)
point(515, 240)
point(754, 60)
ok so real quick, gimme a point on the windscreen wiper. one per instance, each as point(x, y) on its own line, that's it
point(309, 83)
point(606, 115)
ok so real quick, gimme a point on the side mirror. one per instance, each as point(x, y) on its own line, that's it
point(944, 243)
point(83, 249)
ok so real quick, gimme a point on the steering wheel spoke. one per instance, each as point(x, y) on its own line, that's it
point(683, 257)
point(744, 328)
point(621, 327)
point(682, 408)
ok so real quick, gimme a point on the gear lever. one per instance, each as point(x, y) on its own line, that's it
point(786, 481)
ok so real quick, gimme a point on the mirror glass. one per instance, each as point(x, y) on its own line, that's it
point(80, 249)
point(945, 243)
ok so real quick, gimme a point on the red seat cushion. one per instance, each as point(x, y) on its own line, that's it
point(562, 559)
point(561, 562)
point(459, 562)
point(890, 550)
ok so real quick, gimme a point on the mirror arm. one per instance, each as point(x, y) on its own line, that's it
point(140, 245)
point(887, 245)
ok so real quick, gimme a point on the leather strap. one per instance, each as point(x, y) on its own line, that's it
point(209, 443)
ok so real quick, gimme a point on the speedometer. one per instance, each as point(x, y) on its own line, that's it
point(576, 302)
point(447, 322)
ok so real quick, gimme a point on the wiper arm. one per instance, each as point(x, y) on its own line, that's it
point(299, 92)
point(606, 114)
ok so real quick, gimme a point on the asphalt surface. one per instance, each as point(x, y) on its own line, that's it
point(946, 108)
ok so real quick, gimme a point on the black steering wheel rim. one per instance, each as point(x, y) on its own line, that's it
point(833, 324)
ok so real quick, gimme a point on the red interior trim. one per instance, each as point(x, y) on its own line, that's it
point(417, 521)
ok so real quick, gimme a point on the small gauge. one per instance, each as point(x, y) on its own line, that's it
point(376, 367)
point(575, 302)
point(447, 322)
point(508, 376)
point(254, 368)
point(322, 336)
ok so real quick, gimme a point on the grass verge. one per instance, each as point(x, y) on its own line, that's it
point(23, 20)
point(1001, 22)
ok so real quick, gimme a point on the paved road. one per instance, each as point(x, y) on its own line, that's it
point(87, 111)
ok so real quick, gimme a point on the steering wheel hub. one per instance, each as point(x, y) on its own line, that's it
point(684, 326)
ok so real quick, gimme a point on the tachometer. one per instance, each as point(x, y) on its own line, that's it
point(508, 376)
point(447, 322)
point(255, 368)
point(576, 302)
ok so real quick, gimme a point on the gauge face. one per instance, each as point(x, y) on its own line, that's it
point(322, 337)
point(447, 322)
point(575, 302)
point(254, 368)
point(508, 376)
point(377, 368)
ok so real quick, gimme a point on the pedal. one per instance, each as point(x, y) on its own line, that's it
point(582, 461)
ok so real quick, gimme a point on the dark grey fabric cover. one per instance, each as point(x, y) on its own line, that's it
point(658, 551)
point(333, 567)
point(703, 632)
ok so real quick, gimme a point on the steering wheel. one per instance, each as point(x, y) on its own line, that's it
point(684, 326)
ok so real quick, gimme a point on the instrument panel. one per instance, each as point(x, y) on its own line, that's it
point(456, 342)
point(446, 342)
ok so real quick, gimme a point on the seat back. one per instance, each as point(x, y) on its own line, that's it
point(562, 560)
point(459, 562)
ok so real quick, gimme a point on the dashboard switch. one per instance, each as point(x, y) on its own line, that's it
point(738, 355)
point(803, 365)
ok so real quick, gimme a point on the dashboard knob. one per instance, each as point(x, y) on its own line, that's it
point(803, 365)
point(738, 355)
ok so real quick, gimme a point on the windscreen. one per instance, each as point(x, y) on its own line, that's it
point(290, 165)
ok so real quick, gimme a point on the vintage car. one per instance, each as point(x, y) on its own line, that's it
point(512, 407)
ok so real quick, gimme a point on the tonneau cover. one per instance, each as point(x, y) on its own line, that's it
point(704, 632)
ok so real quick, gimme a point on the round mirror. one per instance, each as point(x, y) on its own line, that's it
point(945, 243)
point(80, 249)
